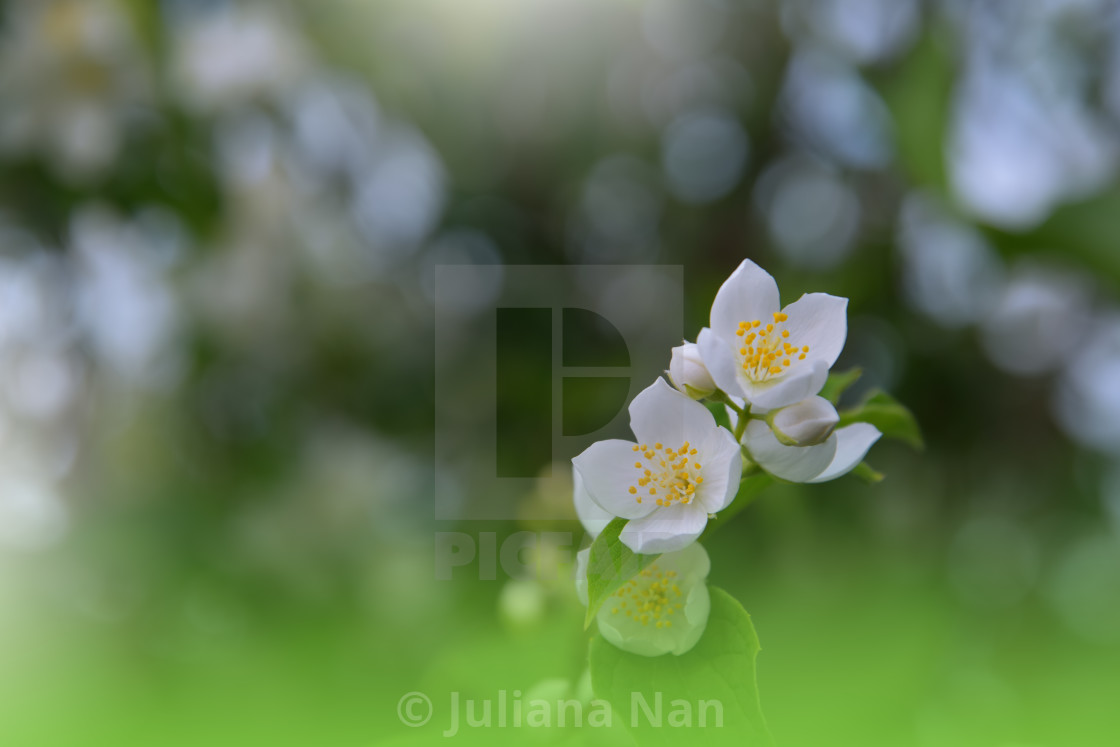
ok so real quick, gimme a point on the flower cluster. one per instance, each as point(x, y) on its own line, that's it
point(767, 365)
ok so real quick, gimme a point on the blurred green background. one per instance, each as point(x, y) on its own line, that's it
point(219, 227)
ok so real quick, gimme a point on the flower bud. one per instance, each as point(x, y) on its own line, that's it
point(808, 422)
point(688, 372)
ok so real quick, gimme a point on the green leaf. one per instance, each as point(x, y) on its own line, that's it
point(838, 383)
point(888, 415)
point(867, 473)
point(721, 668)
point(610, 565)
point(719, 412)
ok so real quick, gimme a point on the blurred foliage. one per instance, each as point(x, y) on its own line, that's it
point(219, 223)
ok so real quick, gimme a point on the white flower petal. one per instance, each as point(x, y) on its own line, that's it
point(793, 463)
point(852, 444)
point(667, 529)
point(750, 293)
point(692, 563)
point(607, 470)
point(821, 322)
point(688, 621)
point(593, 517)
point(722, 467)
point(661, 413)
point(719, 358)
point(696, 610)
point(803, 381)
point(688, 373)
point(616, 631)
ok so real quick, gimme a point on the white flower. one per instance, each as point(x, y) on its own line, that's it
point(72, 76)
point(811, 421)
point(688, 372)
point(593, 518)
point(768, 355)
point(836, 456)
point(232, 56)
point(683, 468)
point(663, 609)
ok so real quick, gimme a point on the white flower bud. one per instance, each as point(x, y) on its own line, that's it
point(688, 372)
point(808, 422)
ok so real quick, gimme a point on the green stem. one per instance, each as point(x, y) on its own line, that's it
point(721, 397)
point(741, 426)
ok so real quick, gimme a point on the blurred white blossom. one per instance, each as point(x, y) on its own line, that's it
point(73, 78)
point(237, 55)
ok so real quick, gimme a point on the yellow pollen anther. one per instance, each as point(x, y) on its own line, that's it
point(637, 465)
point(633, 490)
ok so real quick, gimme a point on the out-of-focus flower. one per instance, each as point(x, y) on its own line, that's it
point(1024, 138)
point(950, 272)
point(1039, 319)
point(862, 30)
point(1087, 400)
point(833, 110)
point(232, 57)
point(32, 514)
point(683, 468)
point(770, 356)
point(704, 155)
point(811, 210)
point(72, 75)
point(688, 372)
point(126, 306)
point(662, 610)
point(522, 602)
